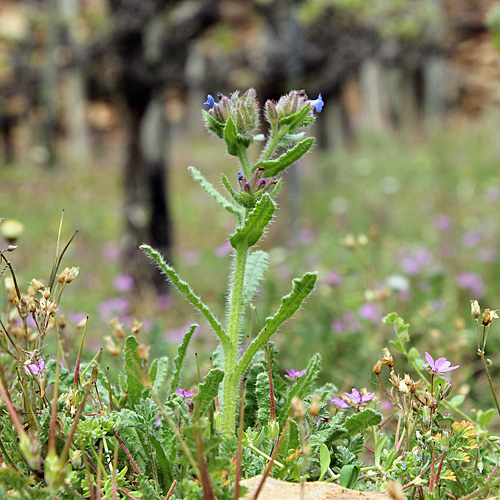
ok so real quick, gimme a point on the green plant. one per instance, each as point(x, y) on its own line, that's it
point(233, 119)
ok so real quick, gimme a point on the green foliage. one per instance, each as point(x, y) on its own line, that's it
point(179, 359)
point(255, 223)
point(274, 167)
point(257, 263)
point(134, 371)
point(209, 388)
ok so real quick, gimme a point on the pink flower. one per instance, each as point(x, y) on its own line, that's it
point(184, 393)
point(354, 398)
point(295, 374)
point(441, 365)
point(35, 368)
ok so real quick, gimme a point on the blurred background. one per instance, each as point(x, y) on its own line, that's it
point(397, 207)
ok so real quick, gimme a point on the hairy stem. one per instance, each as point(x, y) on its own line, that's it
point(233, 331)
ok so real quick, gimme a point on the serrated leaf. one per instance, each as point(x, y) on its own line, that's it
point(263, 397)
point(296, 120)
point(133, 369)
point(209, 388)
point(179, 359)
point(236, 196)
point(213, 125)
point(255, 223)
point(210, 189)
point(254, 272)
point(158, 373)
point(186, 290)
point(358, 422)
point(274, 167)
point(301, 289)
point(163, 466)
point(349, 475)
point(324, 460)
point(303, 386)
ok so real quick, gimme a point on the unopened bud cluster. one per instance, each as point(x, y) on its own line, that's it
point(257, 183)
point(290, 104)
point(243, 110)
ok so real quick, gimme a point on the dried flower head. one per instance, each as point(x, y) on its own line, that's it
point(489, 316)
point(475, 309)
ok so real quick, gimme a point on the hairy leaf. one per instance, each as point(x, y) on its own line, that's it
point(303, 386)
point(263, 398)
point(210, 189)
point(158, 373)
point(274, 167)
point(213, 125)
point(209, 388)
point(185, 289)
point(255, 223)
point(297, 120)
point(254, 272)
point(301, 289)
point(134, 370)
point(179, 359)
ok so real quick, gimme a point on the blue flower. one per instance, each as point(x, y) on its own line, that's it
point(210, 101)
point(317, 103)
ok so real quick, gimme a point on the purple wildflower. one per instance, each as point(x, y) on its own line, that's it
point(295, 374)
point(35, 368)
point(471, 239)
point(114, 306)
point(443, 222)
point(441, 365)
point(184, 393)
point(472, 282)
point(333, 278)
point(123, 283)
point(224, 249)
point(210, 101)
point(354, 398)
point(339, 403)
point(371, 312)
point(317, 103)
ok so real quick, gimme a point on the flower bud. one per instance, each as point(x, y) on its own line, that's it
point(55, 470)
point(273, 430)
point(30, 448)
point(475, 309)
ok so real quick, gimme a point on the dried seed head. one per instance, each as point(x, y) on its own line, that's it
point(37, 285)
point(112, 348)
point(136, 326)
point(387, 359)
point(46, 293)
point(298, 408)
point(475, 309)
point(315, 406)
point(143, 351)
point(117, 327)
point(377, 367)
point(62, 321)
point(10, 288)
point(489, 316)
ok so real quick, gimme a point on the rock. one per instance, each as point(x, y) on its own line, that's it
point(275, 489)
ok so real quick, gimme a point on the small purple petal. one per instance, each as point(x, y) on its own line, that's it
point(339, 402)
